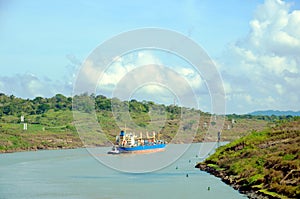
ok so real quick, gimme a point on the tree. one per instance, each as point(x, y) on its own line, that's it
point(102, 103)
point(42, 108)
point(7, 110)
point(135, 106)
point(38, 100)
point(83, 103)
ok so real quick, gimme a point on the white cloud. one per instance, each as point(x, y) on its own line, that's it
point(265, 65)
point(186, 71)
point(279, 89)
point(154, 89)
point(30, 86)
point(248, 99)
point(122, 65)
point(275, 29)
point(270, 100)
point(192, 76)
point(139, 66)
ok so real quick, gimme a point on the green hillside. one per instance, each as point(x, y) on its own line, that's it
point(51, 124)
point(265, 163)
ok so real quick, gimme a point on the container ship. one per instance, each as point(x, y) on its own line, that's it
point(131, 143)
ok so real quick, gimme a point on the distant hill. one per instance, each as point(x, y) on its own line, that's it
point(51, 124)
point(276, 112)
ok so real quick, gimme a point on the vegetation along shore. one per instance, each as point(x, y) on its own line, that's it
point(50, 122)
point(264, 164)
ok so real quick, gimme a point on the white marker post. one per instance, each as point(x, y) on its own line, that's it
point(22, 118)
point(25, 126)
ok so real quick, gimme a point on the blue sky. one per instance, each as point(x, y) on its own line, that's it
point(42, 42)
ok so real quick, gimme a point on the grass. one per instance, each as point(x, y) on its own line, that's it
point(264, 160)
point(51, 130)
point(56, 128)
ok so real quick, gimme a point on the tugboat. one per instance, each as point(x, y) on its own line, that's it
point(131, 143)
point(114, 151)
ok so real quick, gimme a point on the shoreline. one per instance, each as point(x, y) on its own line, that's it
point(39, 149)
point(234, 182)
point(42, 148)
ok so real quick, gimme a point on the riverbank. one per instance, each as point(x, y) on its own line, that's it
point(233, 182)
point(261, 165)
point(12, 139)
point(40, 148)
point(52, 145)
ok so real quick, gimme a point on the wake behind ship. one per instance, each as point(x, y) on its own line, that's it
point(131, 143)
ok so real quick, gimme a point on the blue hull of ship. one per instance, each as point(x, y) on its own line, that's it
point(143, 148)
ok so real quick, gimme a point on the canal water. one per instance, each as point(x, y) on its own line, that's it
point(75, 174)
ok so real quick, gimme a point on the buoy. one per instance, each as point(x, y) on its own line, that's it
point(187, 175)
point(208, 188)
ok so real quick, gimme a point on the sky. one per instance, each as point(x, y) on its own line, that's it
point(255, 45)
